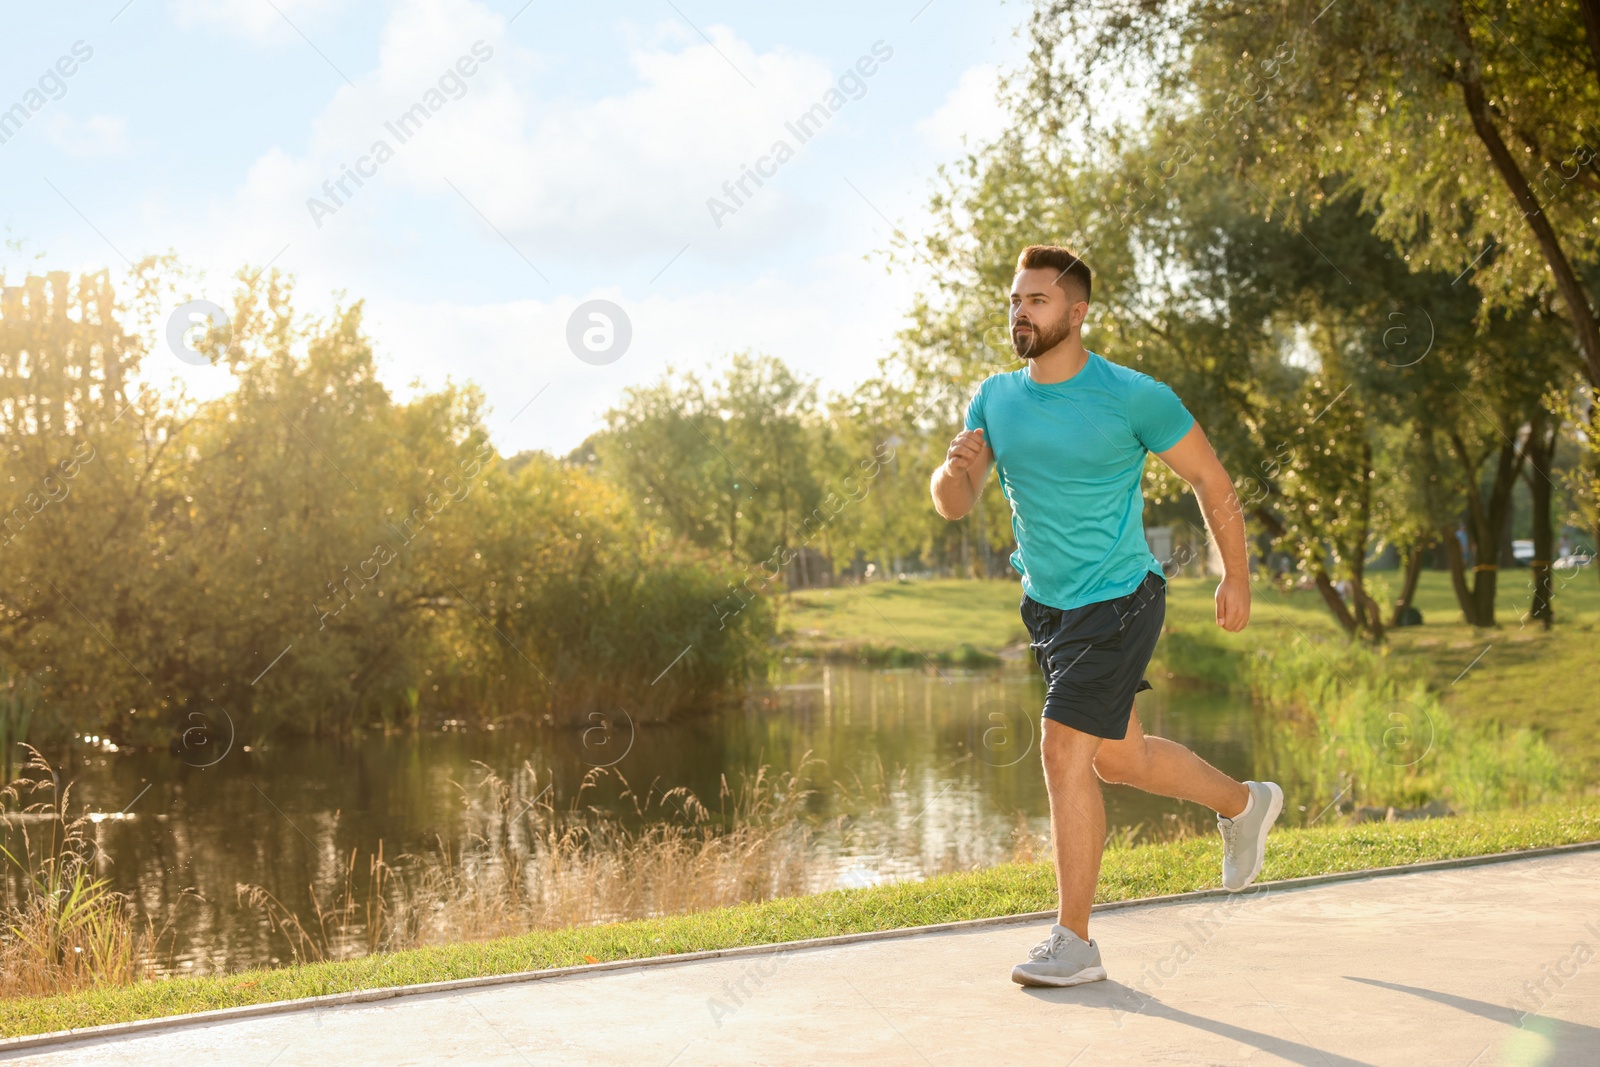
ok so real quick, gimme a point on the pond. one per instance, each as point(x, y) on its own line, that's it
point(921, 772)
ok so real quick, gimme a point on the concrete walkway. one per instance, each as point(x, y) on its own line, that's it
point(1484, 965)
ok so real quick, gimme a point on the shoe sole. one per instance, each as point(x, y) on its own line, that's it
point(1088, 974)
point(1274, 807)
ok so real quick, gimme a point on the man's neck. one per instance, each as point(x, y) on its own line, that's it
point(1060, 363)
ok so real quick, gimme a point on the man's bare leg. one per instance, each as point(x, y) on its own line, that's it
point(1077, 819)
point(1168, 769)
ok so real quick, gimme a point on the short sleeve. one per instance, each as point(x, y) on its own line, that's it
point(974, 419)
point(1156, 415)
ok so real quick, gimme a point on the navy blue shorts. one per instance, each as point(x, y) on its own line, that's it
point(1093, 657)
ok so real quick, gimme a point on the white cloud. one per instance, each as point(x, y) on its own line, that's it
point(563, 177)
point(640, 165)
point(255, 19)
point(633, 168)
point(970, 112)
point(514, 350)
point(569, 180)
point(97, 135)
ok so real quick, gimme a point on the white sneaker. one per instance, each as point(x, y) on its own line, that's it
point(1244, 839)
point(1061, 959)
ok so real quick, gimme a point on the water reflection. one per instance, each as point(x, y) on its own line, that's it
point(919, 774)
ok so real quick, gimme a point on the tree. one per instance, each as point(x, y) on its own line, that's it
point(730, 466)
point(1467, 128)
point(304, 553)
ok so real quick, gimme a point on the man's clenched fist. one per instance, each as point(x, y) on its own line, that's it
point(964, 450)
point(1233, 603)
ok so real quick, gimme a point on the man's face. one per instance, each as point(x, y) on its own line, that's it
point(1041, 314)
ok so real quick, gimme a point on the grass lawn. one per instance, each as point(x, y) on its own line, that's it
point(1517, 672)
point(932, 618)
point(936, 616)
point(1127, 873)
point(1525, 676)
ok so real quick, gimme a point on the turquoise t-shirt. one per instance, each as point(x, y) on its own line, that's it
point(1070, 456)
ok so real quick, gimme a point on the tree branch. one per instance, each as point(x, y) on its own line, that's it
point(1583, 315)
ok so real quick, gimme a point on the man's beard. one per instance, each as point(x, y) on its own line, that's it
point(1039, 341)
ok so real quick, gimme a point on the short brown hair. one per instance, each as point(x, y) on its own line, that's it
point(1064, 261)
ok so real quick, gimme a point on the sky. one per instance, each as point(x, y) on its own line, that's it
point(480, 173)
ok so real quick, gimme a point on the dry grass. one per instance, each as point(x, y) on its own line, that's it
point(354, 922)
point(64, 928)
point(528, 866)
point(525, 865)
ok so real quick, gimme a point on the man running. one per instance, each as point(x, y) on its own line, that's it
point(1068, 432)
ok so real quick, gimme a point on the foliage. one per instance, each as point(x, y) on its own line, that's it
point(308, 553)
point(1346, 724)
point(1466, 128)
point(1358, 391)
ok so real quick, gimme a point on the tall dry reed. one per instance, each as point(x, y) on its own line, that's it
point(64, 928)
point(526, 864)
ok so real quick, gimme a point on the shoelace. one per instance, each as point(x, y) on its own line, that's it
point(1230, 834)
point(1048, 947)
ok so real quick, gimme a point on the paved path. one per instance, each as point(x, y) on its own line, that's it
point(1489, 965)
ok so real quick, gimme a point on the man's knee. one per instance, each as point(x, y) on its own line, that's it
point(1065, 750)
point(1124, 764)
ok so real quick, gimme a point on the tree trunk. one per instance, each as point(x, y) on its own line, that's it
point(1580, 312)
point(1413, 572)
point(983, 538)
point(1458, 576)
point(1594, 469)
point(1367, 612)
point(1487, 519)
point(1591, 22)
point(1543, 433)
point(1335, 602)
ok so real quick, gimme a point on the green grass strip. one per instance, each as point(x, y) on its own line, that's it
point(1142, 871)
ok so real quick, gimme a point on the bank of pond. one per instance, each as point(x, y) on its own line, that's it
point(833, 775)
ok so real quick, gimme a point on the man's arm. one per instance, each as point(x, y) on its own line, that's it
point(1193, 460)
point(959, 479)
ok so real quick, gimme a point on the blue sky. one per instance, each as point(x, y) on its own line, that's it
point(568, 154)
